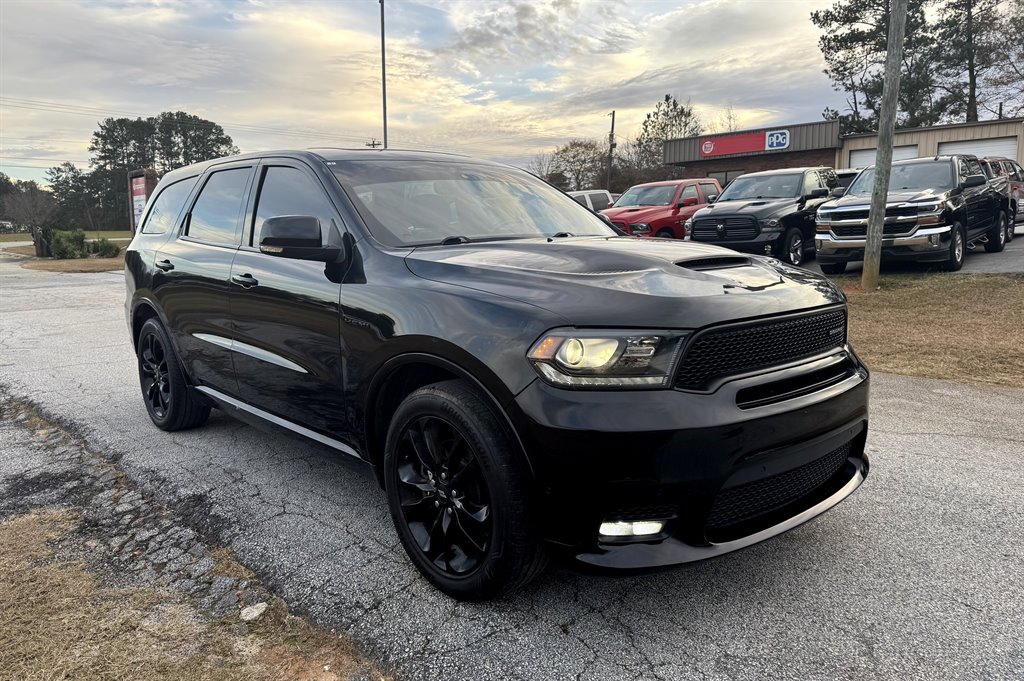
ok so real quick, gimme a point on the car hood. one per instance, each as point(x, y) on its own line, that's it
point(757, 208)
point(626, 281)
point(634, 214)
point(911, 196)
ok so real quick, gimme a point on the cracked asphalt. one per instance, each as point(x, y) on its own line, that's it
point(916, 576)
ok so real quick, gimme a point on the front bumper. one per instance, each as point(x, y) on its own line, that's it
point(924, 244)
point(765, 243)
point(716, 473)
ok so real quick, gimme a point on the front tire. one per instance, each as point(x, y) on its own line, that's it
point(459, 494)
point(957, 249)
point(170, 402)
point(997, 235)
point(793, 246)
point(665, 234)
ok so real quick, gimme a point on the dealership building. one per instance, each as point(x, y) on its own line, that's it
point(727, 155)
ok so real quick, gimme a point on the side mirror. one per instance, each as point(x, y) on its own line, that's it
point(837, 192)
point(818, 193)
point(688, 201)
point(974, 181)
point(711, 198)
point(296, 236)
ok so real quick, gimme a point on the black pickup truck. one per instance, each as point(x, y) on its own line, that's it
point(770, 212)
point(937, 209)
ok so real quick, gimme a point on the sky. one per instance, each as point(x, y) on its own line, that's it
point(498, 79)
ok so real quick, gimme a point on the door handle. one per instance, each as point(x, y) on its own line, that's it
point(244, 280)
point(165, 265)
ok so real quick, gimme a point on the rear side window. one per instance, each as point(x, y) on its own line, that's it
point(215, 213)
point(167, 207)
point(1017, 172)
point(599, 200)
point(580, 199)
point(289, 191)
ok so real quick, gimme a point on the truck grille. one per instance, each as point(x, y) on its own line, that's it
point(746, 502)
point(738, 229)
point(899, 221)
point(719, 352)
point(862, 230)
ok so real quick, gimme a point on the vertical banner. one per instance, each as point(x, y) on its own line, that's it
point(138, 199)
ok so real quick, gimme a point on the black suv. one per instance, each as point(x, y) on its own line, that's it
point(937, 209)
point(770, 212)
point(519, 377)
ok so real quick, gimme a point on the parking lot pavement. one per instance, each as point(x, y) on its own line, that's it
point(1010, 260)
point(916, 576)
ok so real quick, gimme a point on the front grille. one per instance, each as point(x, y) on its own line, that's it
point(723, 351)
point(862, 230)
point(746, 502)
point(738, 229)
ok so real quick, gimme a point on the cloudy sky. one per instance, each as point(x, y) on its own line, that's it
point(501, 79)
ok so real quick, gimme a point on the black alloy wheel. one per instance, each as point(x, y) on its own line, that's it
point(444, 498)
point(793, 247)
point(459, 493)
point(170, 402)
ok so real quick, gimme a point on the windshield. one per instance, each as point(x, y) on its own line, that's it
point(656, 195)
point(418, 203)
point(907, 176)
point(762, 187)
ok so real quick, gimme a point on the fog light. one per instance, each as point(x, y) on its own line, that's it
point(817, 244)
point(933, 239)
point(640, 528)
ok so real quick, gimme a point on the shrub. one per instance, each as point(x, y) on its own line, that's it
point(105, 248)
point(65, 244)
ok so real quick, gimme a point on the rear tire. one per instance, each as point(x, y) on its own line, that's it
point(170, 402)
point(957, 249)
point(833, 267)
point(997, 235)
point(460, 495)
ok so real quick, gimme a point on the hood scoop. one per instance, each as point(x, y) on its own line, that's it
point(715, 263)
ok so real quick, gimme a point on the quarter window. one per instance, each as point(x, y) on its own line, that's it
point(215, 213)
point(167, 206)
point(289, 191)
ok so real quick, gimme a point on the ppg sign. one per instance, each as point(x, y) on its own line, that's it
point(776, 139)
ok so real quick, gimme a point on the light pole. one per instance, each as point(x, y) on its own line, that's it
point(611, 150)
point(383, 76)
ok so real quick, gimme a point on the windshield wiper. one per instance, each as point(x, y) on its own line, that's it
point(452, 240)
point(561, 235)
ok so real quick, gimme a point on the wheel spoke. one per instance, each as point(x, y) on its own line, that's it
point(420, 448)
point(480, 544)
point(408, 475)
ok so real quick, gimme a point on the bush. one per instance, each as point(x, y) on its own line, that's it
point(104, 248)
point(65, 244)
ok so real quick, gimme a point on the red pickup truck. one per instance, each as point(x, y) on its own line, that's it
point(661, 209)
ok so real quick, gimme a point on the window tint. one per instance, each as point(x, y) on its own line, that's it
point(167, 206)
point(689, 192)
point(289, 191)
point(599, 200)
point(215, 213)
point(708, 189)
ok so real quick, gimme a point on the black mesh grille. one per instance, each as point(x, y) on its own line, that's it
point(732, 228)
point(745, 502)
point(862, 230)
point(721, 352)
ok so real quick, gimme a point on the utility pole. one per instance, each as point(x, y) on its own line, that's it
point(383, 76)
point(883, 155)
point(611, 150)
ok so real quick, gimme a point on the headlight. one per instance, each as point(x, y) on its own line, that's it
point(640, 228)
point(771, 225)
point(688, 229)
point(574, 358)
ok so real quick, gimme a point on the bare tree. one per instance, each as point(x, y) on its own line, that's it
point(542, 165)
point(581, 160)
point(32, 207)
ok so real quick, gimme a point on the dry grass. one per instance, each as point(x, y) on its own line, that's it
point(967, 327)
point(57, 621)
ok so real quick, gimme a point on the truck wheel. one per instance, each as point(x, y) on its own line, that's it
point(997, 235)
point(833, 267)
point(665, 234)
point(171, 403)
point(1010, 221)
point(459, 494)
point(793, 246)
point(957, 249)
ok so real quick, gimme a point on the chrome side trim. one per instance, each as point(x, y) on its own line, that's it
point(250, 350)
point(277, 420)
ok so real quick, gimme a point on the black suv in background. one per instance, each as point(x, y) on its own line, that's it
point(518, 375)
point(937, 209)
point(770, 212)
